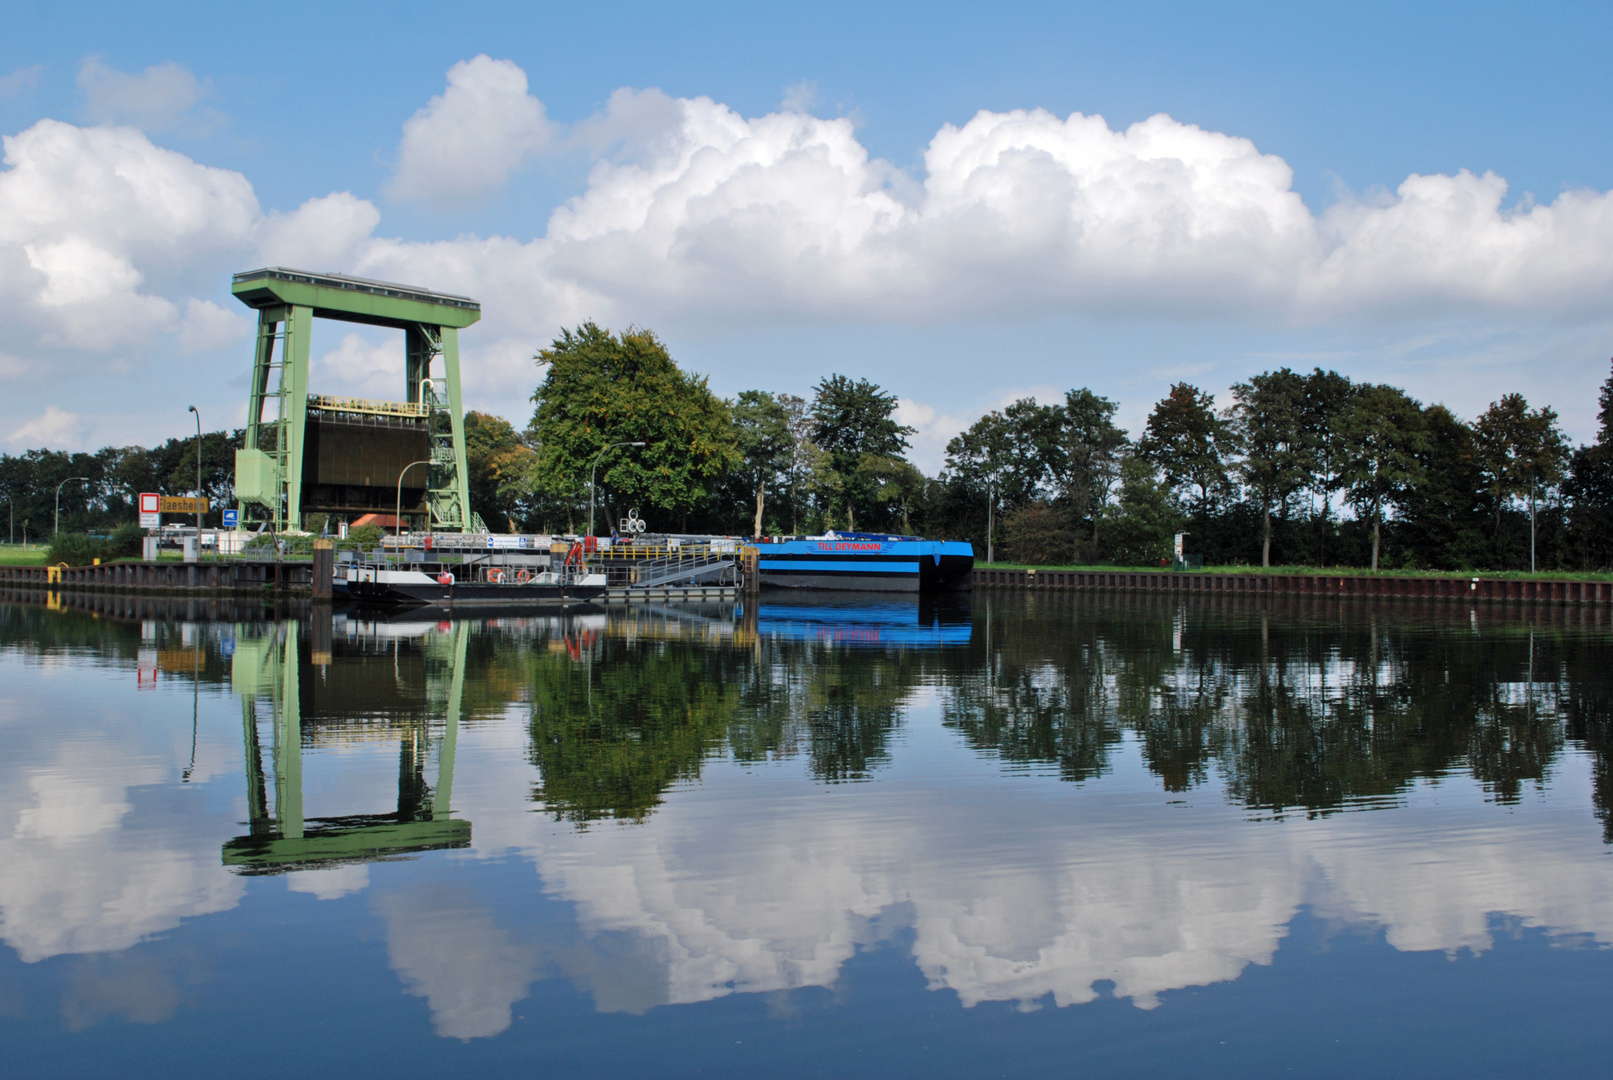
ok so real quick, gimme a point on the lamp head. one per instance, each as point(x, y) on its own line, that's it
point(635, 444)
point(192, 408)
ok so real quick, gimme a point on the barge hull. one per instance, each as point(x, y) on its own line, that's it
point(863, 581)
point(473, 594)
point(864, 562)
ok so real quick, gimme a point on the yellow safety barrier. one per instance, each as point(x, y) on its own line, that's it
point(53, 574)
point(328, 403)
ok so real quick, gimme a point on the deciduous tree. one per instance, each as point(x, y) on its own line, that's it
point(1267, 414)
point(853, 422)
point(1382, 433)
point(1589, 487)
point(602, 389)
point(1018, 453)
point(766, 445)
point(1328, 397)
point(1522, 452)
point(498, 461)
point(1139, 525)
point(1189, 444)
point(1092, 445)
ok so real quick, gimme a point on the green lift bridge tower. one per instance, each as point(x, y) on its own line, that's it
point(314, 456)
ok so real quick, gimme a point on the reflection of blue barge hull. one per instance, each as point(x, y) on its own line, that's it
point(871, 561)
point(905, 623)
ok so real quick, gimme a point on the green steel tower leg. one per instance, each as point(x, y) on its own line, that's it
point(417, 354)
point(442, 798)
point(263, 356)
point(288, 743)
point(299, 329)
point(257, 807)
point(456, 412)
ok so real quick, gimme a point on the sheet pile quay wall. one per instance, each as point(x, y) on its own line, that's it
point(205, 577)
point(1452, 588)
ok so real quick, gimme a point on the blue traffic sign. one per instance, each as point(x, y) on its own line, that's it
point(232, 518)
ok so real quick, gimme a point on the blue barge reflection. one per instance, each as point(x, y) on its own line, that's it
point(909, 622)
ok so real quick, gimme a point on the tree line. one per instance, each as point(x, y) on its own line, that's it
point(1294, 469)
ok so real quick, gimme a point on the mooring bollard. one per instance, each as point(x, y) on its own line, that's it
point(324, 568)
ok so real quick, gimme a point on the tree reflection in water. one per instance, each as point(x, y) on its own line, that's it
point(1290, 706)
point(612, 731)
point(1294, 706)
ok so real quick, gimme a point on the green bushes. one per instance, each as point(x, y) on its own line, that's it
point(81, 549)
point(365, 536)
point(1039, 535)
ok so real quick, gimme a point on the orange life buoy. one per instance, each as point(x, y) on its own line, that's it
point(496, 576)
point(521, 577)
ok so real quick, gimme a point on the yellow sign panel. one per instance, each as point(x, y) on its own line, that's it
point(181, 504)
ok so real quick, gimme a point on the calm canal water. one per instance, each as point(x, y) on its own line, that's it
point(1004, 836)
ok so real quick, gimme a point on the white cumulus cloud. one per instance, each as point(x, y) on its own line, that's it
point(358, 367)
point(89, 215)
point(207, 326)
point(153, 99)
point(692, 210)
point(55, 428)
point(23, 80)
point(469, 138)
point(695, 215)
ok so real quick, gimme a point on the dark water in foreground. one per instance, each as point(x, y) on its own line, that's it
point(1067, 836)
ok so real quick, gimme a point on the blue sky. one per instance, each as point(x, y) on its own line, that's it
point(955, 302)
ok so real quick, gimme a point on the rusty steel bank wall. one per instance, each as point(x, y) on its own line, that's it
point(300, 579)
point(168, 577)
point(1342, 585)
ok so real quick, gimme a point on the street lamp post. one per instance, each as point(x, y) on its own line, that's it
point(991, 515)
point(58, 528)
point(397, 528)
point(198, 478)
point(1531, 525)
point(591, 474)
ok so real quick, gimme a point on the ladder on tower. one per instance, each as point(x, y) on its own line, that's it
point(276, 390)
point(442, 487)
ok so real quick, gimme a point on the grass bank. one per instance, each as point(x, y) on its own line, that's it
point(17, 555)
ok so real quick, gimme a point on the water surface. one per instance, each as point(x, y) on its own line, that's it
point(1019, 836)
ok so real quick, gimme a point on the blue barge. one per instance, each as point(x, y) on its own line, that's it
point(873, 562)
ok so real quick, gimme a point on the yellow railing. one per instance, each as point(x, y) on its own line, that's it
point(326, 403)
point(646, 551)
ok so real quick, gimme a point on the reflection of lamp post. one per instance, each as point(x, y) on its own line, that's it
point(198, 478)
point(195, 702)
point(397, 529)
point(592, 472)
point(69, 480)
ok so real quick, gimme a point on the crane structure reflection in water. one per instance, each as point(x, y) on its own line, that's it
point(268, 674)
